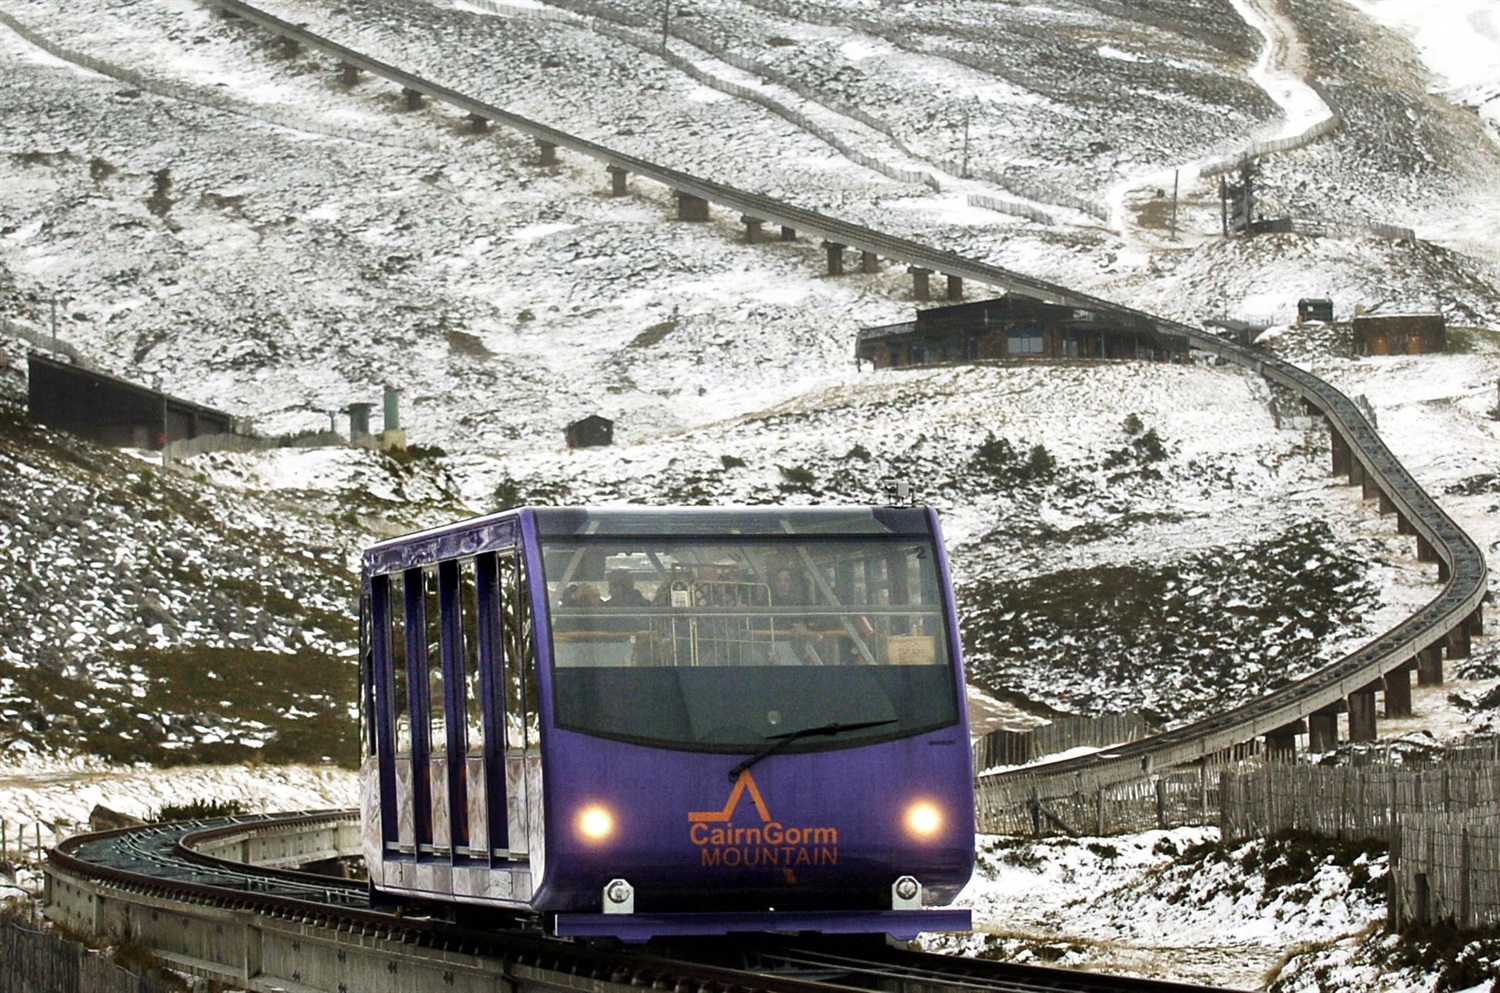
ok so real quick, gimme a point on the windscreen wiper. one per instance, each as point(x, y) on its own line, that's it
point(780, 741)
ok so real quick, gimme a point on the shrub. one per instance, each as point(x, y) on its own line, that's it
point(198, 810)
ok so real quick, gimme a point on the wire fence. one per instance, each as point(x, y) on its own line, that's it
point(645, 34)
point(207, 97)
point(43, 339)
point(23, 843)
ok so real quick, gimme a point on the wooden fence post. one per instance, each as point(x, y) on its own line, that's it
point(1465, 865)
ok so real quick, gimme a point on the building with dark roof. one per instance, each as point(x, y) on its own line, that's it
point(113, 411)
point(1016, 327)
point(1399, 334)
point(590, 432)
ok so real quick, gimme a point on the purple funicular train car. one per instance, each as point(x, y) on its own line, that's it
point(641, 722)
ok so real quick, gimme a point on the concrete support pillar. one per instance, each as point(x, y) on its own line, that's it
point(348, 73)
point(1398, 693)
point(617, 177)
point(1281, 744)
point(1457, 641)
point(1362, 715)
point(1476, 621)
point(921, 286)
point(788, 234)
point(752, 228)
point(955, 288)
point(413, 98)
point(1356, 473)
point(1323, 731)
point(1340, 451)
point(1425, 551)
point(1309, 408)
point(478, 123)
point(1430, 666)
point(869, 262)
point(1403, 525)
point(1387, 505)
point(835, 258)
point(290, 46)
point(546, 153)
point(1369, 488)
point(691, 208)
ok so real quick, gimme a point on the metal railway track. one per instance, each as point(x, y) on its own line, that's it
point(182, 898)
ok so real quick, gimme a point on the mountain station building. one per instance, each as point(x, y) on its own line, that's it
point(1016, 327)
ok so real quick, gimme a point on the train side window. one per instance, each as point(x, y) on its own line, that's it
point(437, 730)
point(522, 725)
point(468, 609)
point(400, 691)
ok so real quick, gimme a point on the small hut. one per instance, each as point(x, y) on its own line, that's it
point(592, 431)
point(1314, 309)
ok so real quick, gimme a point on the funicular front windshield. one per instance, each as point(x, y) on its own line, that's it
point(723, 641)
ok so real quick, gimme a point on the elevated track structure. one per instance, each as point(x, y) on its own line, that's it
point(222, 900)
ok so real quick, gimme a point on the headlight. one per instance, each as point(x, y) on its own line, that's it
point(923, 819)
point(595, 823)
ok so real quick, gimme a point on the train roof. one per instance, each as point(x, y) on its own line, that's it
point(468, 537)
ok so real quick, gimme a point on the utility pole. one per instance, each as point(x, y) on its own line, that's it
point(165, 439)
point(666, 20)
point(965, 172)
point(1176, 175)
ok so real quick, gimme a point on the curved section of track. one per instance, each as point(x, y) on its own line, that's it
point(268, 928)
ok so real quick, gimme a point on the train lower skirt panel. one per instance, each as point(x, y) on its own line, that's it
point(902, 925)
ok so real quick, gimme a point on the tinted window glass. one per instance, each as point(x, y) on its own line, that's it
point(721, 643)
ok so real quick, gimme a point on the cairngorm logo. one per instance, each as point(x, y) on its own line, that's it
point(769, 844)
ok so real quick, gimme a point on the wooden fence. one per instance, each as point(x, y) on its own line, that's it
point(1010, 748)
point(1006, 806)
point(1350, 803)
point(1446, 867)
point(40, 962)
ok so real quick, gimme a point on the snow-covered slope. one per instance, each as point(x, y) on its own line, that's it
point(273, 242)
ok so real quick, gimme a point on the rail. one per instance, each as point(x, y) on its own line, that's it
point(278, 929)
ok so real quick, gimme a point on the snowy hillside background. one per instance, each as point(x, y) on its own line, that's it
point(267, 240)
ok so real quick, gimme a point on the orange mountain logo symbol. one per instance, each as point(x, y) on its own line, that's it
point(767, 844)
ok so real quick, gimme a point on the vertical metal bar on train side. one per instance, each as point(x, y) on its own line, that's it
point(384, 719)
point(492, 691)
point(450, 649)
point(418, 706)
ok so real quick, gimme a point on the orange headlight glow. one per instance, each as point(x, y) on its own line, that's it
point(596, 823)
point(923, 819)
